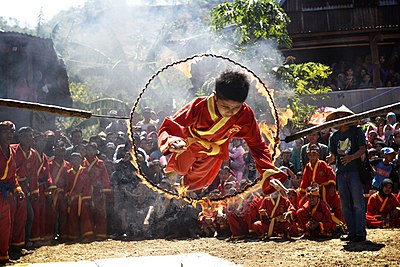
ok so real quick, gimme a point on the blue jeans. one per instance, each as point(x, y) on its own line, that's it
point(352, 200)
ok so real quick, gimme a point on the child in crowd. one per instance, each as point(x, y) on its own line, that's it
point(275, 218)
point(383, 209)
point(385, 169)
point(236, 155)
point(314, 217)
point(319, 173)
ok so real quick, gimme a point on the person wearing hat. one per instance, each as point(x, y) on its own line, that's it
point(384, 169)
point(317, 172)
point(383, 209)
point(347, 146)
point(28, 163)
point(8, 187)
point(314, 217)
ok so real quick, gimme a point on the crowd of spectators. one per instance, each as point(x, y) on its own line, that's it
point(106, 198)
point(359, 74)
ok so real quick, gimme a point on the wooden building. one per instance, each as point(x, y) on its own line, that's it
point(31, 70)
point(330, 31)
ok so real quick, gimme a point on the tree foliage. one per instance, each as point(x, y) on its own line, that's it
point(252, 20)
point(305, 79)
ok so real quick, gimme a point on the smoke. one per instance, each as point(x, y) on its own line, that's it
point(116, 47)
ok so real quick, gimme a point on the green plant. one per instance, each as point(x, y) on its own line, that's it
point(252, 20)
point(305, 79)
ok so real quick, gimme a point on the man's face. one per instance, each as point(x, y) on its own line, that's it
point(313, 138)
point(390, 157)
point(76, 161)
point(292, 197)
point(313, 200)
point(59, 152)
point(224, 174)
point(228, 108)
point(312, 157)
point(76, 138)
point(26, 138)
point(91, 151)
point(40, 143)
point(6, 136)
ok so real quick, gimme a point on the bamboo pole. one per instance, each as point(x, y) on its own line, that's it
point(70, 112)
point(352, 119)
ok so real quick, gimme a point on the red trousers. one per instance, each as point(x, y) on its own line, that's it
point(79, 224)
point(39, 217)
point(5, 227)
point(18, 222)
point(99, 212)
point(197, 168)
point(56, 216)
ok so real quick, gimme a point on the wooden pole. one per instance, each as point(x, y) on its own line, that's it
point(69, 112)
point(352, 119)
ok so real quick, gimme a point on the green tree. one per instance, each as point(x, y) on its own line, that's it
point(252, 20)
point(306, 79)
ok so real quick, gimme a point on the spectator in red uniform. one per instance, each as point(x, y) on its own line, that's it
point(383, 209)
point(8, 187)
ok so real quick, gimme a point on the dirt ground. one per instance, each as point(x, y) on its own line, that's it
point(381, 249)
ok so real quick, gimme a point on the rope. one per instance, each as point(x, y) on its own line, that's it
point(174, 195)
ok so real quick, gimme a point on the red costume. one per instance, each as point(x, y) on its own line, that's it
point(241, 216)
point(100, 190)
point(207, 135)
point(322, 174)
point(27, 166)
point(79, 190)
point(58, 209)
point(273, 223)
point(379, 210)
point(319, 213)
point(8, 185)
point(38, 230)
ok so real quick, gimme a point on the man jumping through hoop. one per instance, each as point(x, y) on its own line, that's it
point(198, 134)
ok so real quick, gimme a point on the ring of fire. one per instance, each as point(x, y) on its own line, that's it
point(170, 194)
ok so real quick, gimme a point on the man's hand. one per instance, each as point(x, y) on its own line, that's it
point(178, 146)
point(346, 159)
point(330, 159)
point(21, 195)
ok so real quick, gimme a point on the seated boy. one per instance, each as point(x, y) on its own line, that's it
point(198, 135)
point(314, 217)
point(320, 173)
point(275, 219)
point(383, 209)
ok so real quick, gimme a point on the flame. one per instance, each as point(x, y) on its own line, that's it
point(186, 67)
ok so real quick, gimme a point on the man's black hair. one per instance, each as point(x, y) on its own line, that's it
point(76, 130)
point(232, 85)
point(25, 129)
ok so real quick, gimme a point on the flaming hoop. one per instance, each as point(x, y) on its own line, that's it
point(181, 195)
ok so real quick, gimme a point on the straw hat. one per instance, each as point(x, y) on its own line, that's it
point(340, 112)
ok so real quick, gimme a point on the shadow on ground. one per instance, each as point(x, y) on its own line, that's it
point(363, 246)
